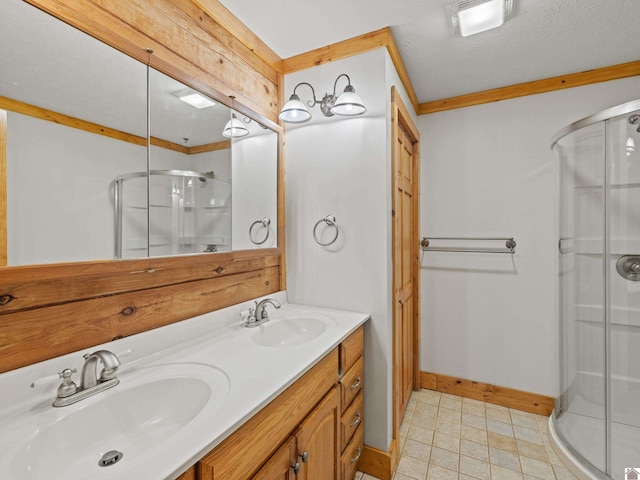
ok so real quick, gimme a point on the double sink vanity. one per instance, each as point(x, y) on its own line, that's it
point(204, 398)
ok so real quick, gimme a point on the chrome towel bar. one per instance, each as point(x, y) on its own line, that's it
point(509, 245)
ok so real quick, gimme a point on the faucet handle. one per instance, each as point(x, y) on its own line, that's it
point(68, 386)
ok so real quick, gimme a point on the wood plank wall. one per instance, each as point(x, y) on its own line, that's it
point(51, 310)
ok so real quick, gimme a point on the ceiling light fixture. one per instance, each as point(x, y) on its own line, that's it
point(235, 128)
point(474, 16)
point(348, 103)
point(194, 98)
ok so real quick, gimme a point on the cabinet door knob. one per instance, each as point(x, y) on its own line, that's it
point(304, 456)
point(296, 468)
point(356, 385)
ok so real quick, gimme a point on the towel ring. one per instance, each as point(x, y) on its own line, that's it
point(331, 221)
point(265, 221)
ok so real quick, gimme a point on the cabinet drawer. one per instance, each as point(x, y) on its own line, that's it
point(351, 383)
point(351, 420)
point(351, 349)
point(351, 455)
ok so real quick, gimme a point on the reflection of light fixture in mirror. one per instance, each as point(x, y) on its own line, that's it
point(348, 103)
point(234, 128)
point(474, 16)
point(631, 146)
point(194, 98)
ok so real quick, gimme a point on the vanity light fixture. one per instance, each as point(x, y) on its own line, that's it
point(474, 16)
point(235, 128)
point(348, 103)
point(194, 98)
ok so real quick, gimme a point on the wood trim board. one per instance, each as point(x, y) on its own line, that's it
point(97, 129)
point(613, 72)
point(384, 38)
point(354, 46)
point(378, 463)
point(3, 187)
point(484, 392)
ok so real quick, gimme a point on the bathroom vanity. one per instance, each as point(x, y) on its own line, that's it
point(205, 399)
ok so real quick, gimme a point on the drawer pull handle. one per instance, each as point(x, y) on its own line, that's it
point(356, 385)
point(296, 468)
point(356, 421)
point(357, 457)
point(304, 456)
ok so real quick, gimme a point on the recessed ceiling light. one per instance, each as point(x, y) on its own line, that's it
point(194, 98)
point(474, 16)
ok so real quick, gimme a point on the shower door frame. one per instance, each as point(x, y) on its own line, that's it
point(605, 117)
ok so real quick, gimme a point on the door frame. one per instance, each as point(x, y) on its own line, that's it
point(401, 119)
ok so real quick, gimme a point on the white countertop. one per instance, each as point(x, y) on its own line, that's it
point(249, 374)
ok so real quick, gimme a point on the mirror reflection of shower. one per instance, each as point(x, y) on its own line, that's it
point(631, 142)
point(189, 212)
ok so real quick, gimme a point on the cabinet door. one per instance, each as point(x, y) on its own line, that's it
point(281, 465)
point(318, 441)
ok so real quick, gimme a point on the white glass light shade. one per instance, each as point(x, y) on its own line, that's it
point(349, 103)
point(480, 16)
point(294, 111)
point(234, 129)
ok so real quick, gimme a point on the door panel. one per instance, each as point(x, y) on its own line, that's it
point(405, 258)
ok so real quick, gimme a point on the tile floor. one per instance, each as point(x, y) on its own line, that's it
point(444, 437)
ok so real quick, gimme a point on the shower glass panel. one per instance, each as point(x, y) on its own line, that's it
point(597, 415)
point(581, 405)
point(624, 292)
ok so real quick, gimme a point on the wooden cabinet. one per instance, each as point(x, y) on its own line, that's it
point(188, 475)
point(282, 465)
point(311, 431)
point(351, 403)
point(318, 441)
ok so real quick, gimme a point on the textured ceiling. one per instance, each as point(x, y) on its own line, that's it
point(544, 38)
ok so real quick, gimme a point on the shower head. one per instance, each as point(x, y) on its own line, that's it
point(635, 120)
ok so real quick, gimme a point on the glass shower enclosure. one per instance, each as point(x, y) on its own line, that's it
point(597, 415)
point(186, 212)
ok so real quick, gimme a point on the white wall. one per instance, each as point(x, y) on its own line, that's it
point(342, 167)
point(53, 217)
point(488, 170)
point(255, 181)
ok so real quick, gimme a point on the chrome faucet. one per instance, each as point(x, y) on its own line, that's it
point(259, 315)
point(90, 382)
point(89, 375)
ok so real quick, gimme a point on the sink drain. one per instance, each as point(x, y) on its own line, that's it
point(110, 458)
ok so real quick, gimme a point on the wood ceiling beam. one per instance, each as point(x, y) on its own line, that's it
point(235, 27)
point(545, 85)
point(354, 46)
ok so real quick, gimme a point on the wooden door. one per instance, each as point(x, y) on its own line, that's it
point(281, 465)
point(405, 166)
point(318, 441)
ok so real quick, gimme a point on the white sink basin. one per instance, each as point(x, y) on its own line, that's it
point(291, 330)
point(149, 408)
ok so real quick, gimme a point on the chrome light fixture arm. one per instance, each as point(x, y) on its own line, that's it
point(310, 103)
point(347, 104)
